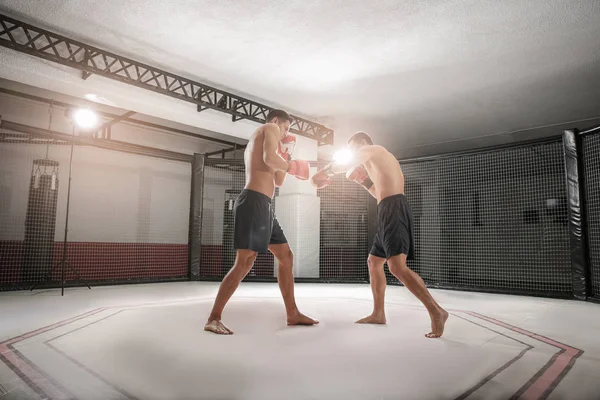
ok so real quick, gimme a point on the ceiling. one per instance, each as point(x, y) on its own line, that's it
point(411, 72)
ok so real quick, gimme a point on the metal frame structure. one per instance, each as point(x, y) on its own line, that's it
point(581, 231)
point(575, 184)
point(27, 134)
point(486, 149)
point(222, 152)
point(25, 138)
point(120, 118)
point(38, 42)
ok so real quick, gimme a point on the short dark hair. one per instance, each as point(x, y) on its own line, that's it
point(280, 114)
point(361, 136)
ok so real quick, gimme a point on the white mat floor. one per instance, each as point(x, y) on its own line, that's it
point(147, 342)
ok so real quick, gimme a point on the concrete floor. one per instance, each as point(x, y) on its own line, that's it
point(147, 342)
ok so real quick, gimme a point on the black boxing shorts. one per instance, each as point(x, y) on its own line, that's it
point(394, 228)
point(255, 225)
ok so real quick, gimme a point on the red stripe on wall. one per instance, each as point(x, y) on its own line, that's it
point(213, 265)
point(11, 260)
point(95, 261)
point(211, 260)
point(100, 261)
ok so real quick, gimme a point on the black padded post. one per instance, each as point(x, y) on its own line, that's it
point(577, 226)
point(195, 231)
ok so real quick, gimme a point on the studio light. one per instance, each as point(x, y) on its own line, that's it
point(343, 156)
point(85, 118)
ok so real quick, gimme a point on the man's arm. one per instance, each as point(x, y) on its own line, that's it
point(354, 170)
point(360, 176)
point(372, 191)
point(279, 178)
point(363, 155)
point(298, 168)
point(270, 155)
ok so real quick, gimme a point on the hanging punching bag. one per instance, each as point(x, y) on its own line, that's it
point(40, 221)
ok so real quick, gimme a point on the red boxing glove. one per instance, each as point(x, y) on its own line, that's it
point(360, 176)
point(286, 146)
point(300, 169)
point(321, 180)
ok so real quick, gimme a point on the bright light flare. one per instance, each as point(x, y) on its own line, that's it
point(85, 118)
point(343, 156)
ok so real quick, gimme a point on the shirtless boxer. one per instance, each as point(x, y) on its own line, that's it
point(378, 171)
point(267, 159)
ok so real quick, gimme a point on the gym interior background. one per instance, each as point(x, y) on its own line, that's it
point(494, 219)
point(147, 195)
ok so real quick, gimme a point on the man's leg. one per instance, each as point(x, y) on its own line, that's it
point(244, 261)
point(285, 278)
point(415, 284)
point(378, 283)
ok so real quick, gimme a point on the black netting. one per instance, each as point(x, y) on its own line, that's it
point(128, 215)
point(344, 245)
point(591, 157)
point(494, 221)
point(342, 241)
point(223, 182)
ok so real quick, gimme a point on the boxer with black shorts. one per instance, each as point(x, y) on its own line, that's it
point(256, 226)
point(378, 171)
point(268, 158)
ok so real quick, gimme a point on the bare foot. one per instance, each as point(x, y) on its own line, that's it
point(300, 319)
point(438, 321)
point(373, 319)
point(216, 326)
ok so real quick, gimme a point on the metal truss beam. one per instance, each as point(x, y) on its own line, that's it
point(26, 38)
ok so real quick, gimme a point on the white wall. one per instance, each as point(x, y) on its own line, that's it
point(216, 182)
point(298, 211)
point(115, 197)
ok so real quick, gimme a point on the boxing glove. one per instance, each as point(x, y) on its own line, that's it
point(300, 169)
point(286, 147)
point(321, 180)
point(359, 175)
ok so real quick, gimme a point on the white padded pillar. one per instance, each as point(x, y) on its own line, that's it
point(298, 210)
